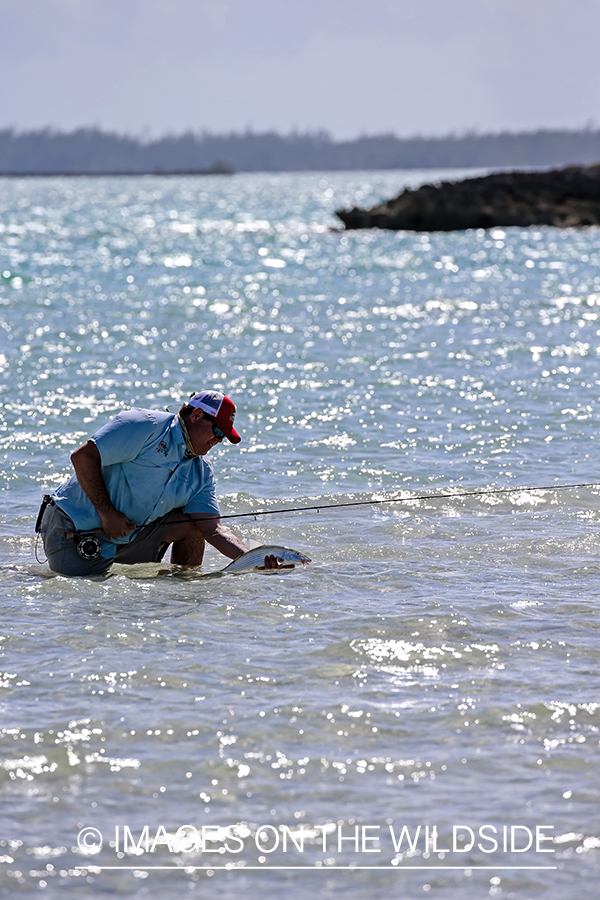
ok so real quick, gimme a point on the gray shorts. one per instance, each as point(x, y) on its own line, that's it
point(147, 545)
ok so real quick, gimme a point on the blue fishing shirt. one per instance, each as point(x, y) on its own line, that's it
point(142, 455)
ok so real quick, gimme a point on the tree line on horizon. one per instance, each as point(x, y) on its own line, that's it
point(92, 150)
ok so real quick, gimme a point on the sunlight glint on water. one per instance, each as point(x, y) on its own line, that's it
point(435, 665)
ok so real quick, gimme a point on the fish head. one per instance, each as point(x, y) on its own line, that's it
point(292, 556)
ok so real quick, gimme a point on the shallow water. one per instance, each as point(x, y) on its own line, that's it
point(435, 665)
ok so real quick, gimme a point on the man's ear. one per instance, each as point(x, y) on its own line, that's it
point(196, 414)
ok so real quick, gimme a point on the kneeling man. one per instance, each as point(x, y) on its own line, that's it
point(142, 483)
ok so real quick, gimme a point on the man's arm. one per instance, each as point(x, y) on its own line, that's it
point(88, 468)
point(227, 543)
point(221, 538)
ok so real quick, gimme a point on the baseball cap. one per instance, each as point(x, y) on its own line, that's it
point(218, 407)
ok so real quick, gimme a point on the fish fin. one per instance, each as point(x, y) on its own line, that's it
point(252, 544)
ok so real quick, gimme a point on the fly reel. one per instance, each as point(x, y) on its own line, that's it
point(88, 546)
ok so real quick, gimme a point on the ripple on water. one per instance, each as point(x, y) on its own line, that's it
point(437, 661)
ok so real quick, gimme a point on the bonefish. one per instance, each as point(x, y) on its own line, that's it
point(254, 560)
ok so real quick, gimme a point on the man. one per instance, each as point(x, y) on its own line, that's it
point(142, 483)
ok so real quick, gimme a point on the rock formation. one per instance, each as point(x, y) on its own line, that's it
point(562, 197)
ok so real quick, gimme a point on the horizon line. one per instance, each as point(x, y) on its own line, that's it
point(144, 135)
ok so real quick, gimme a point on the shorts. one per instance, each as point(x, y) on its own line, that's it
point(146, 546)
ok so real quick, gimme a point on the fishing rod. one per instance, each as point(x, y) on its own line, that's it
point(450, 494)
point(447, 495)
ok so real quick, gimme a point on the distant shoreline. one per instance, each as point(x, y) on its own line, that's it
point(91, 151)
point(83, 174)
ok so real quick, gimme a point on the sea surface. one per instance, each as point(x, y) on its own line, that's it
point(415, 713)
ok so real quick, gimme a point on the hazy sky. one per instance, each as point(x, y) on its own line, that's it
point(347, 66)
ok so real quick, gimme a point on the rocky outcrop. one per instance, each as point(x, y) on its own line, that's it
point(561, 197)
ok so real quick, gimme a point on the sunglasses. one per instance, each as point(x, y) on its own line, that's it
point(216, 430)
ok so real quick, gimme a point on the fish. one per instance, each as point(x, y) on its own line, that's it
point(254, 560)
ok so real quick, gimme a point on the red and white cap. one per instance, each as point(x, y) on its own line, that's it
point(218, 407)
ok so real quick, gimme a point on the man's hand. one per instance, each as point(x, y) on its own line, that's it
point(116, 524)
point(88, 468)
point(271, 563)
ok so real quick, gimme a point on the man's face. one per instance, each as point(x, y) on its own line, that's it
point(201, 433)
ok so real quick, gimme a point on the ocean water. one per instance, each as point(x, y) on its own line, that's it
point(417, 712)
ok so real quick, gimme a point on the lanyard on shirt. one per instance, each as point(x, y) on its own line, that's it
point(190, 453)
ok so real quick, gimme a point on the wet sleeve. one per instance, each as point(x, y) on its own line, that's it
point(122, 439)
point(205, 498)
